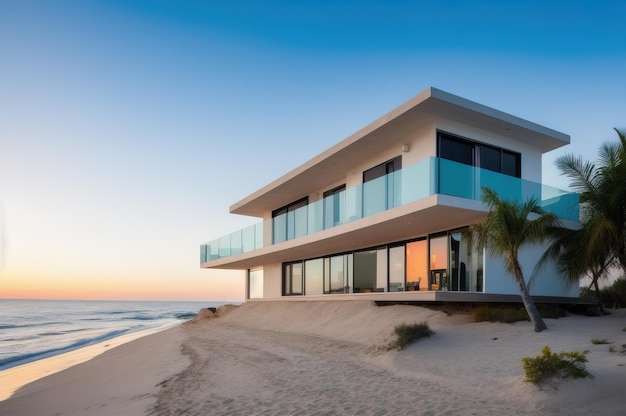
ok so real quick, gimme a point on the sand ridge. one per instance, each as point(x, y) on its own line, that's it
point(327, 358)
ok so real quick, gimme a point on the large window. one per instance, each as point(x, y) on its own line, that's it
point(290, 221)
point(381, 187)
point(334, 203)
point(417, 265)
point(439, 262)
point(396, 269)
point(292, 279)
point(481, 155)
point(314, 277)
point(364, 271)
point(442, 261)
point(336, 273)
point(255, 283)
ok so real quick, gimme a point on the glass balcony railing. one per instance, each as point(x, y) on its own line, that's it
point(420, 180)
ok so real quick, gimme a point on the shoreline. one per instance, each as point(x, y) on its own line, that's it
point(14, 378)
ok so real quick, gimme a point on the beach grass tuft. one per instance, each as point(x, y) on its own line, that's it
point(596, 341)
point(513, 313)
point(499, 313)
point(550, 364)
point(409, 333)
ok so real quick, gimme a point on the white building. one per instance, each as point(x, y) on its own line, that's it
point(380, 214)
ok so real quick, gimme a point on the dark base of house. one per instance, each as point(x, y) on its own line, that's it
point(433, 296)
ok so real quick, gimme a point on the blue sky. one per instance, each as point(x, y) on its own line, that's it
point(127, 128)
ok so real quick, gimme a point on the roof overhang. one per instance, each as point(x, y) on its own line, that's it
point(432, 104)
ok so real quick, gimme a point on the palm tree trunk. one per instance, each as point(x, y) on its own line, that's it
point(602, 311)
point(527, 300)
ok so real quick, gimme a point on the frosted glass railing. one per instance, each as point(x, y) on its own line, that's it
point(414, 182)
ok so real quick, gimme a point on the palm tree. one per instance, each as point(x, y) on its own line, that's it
point(509, 226)
point(602, 192)
point(576, 258)
point(599, 245)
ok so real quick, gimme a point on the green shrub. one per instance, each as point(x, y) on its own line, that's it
point(596, 341)
point(513, 313)
point(614, 296)
point(549, 364)
point(499, 313)
point(408, 334)
point(551, 311)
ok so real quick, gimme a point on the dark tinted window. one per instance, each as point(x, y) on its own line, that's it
point(291, 207)
point(456, 150)
point(382, 169)
point(490, 158)
point(487, 157)
point(511, 164)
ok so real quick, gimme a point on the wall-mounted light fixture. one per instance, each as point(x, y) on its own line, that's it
point(405, 147)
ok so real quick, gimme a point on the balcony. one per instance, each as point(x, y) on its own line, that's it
point(420, 180)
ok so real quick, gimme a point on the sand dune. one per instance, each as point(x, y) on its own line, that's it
point(330, 358)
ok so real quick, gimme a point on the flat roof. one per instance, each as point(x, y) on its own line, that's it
point(329, 166)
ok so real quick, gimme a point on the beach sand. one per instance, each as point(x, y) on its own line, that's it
point(330, 358)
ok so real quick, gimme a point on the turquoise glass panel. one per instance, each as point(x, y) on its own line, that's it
point(247, 239)
point(394, 189)
point(354, 204)
point(414, 182)
point(224, 246)
point(300, 221)
point(214, 247)
point(562, 204)
point(375, 196)
point(315, 217)
point(291, 225)
point(279, 228)
point(258, 234)
point(456, 179)
point(236, 246)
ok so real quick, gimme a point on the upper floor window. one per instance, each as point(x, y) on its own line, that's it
point(477, 154)
point(334, 206)
point(383, 169)
point(290, 221)
point(381, 187)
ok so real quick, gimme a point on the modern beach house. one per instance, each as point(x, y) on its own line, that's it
point(380, 215)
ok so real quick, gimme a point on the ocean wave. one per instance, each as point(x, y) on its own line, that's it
point(19, 359)
point(185, 315)
point(18, 339)
point(161, 316)
point(29, 325)
point(122, 311)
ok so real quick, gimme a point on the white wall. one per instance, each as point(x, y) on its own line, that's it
point(547, 283)
point(272, 280)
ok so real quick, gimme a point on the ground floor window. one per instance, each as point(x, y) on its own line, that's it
point(417, 265)
point(255, 284)
point(314, 277)
point(442, 261)
point(338, 276)
point(292, 279)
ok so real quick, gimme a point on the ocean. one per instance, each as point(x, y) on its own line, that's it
point(34, 329)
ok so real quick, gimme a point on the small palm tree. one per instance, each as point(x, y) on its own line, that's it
point(509, 226)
